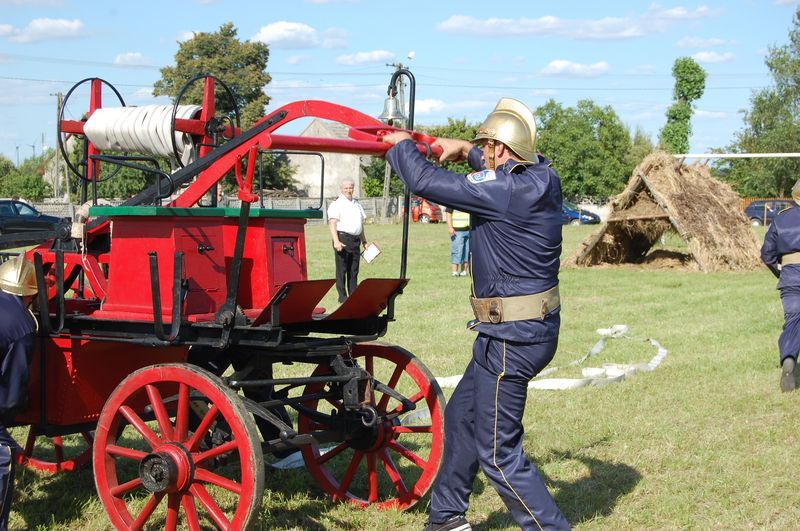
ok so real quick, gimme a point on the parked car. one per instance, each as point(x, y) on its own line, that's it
point(572, 214)
point(425, 211)
point(763, 211)
point(18, 217)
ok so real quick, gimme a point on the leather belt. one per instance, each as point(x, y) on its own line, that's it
point(501, 309)
point(791, 258)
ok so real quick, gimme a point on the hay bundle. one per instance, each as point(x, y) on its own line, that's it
point(664, 195)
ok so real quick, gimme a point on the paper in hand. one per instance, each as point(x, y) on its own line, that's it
point(371, 252)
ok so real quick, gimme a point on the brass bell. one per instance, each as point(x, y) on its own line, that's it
point(391, 113)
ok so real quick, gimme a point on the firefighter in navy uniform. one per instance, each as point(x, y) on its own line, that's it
point(514, 199)
point(781, 253)
point(17, 331)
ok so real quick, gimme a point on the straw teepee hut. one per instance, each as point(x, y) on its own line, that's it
point(664, 195)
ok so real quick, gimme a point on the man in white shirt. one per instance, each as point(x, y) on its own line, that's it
point(346, 222)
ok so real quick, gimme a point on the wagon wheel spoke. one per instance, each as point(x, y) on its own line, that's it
point(126, 487)
point(157, 403)
point(191, 512)
point(228, 497)
point(384, 401)
point(412, 429)
point(173, 506)
point(147, 511)
point(414, 399)
point(408, 454)
point(137, 422)
point(340, 473)
point(372, 474)
point(394, 474)
point(205, 424)
point(123, 451)
point(30, 441)
point(348, 476)
point(333, 452)
point(182, 415)
point(215, 479)
point(216, 451)
point(210, 506)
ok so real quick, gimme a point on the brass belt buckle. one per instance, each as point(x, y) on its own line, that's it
point(495, 312)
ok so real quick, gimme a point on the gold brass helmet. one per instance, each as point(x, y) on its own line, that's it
point(18, 277)
point(796, 192)
point(513, 124)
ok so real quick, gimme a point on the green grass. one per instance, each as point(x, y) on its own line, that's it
point(705, 441)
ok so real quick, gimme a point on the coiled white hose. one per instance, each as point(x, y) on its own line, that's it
point(143, 130)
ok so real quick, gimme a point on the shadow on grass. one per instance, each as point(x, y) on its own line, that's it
point(52, 500)
point(595, 494)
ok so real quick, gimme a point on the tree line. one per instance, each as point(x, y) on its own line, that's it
point(590, 146)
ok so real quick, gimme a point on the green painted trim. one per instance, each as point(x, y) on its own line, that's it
point(155, 211)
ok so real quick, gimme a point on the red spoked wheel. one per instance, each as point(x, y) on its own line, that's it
point(394, 463)
point(64, 453)
point(174, 447)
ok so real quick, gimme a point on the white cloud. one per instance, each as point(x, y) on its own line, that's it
point(334, 38)
point(428, 106)
point(360, 58)
point(43, 29)
point(297, 59)
point(655, 20)
point(543, 93)
point(697, 42)
point(185, 36)
point(716, 115)
point(785, 2)
point(562, 67)
point(131, 59)
point(713, 57)
point(288, 35)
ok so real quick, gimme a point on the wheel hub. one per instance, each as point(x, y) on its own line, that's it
point(169, 469)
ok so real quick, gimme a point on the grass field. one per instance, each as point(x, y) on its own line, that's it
point(705, 441)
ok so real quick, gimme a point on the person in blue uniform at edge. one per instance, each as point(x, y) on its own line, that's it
point(514, 199)
point(17, 330)
point(781, 253)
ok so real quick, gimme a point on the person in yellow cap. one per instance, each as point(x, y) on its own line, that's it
point(17, 330)
point(514, 201)
point(781, 253)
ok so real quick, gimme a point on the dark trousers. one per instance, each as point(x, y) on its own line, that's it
point(483, 429)
point(789, 340)
point(347, 262)
point(6, 483)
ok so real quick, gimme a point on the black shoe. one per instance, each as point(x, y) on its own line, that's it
point(456, 523)
point(787, 375)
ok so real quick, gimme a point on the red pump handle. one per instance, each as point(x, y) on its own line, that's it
point(245, 192)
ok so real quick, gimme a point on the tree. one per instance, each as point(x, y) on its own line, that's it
point(589, 146)
point(771, 125)
point(240, 65)
point(690, 83)
point(26, 181)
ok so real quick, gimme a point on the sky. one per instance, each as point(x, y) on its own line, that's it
point(464, 55)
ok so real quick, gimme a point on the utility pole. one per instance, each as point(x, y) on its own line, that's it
point(57, 182)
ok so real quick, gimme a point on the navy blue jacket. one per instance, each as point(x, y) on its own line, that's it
point(783, 237)
point(17, 331)
point(515, 232)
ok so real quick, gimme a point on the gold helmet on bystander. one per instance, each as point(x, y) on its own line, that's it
point(796, 192)
point(18, 277)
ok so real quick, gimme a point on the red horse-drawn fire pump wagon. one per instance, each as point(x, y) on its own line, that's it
point(161, 321)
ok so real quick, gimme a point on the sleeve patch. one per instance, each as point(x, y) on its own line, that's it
point(479, 177)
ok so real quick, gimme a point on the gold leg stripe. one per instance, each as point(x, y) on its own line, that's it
point(494, 454)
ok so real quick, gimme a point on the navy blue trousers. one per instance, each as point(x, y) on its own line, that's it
point(789, 340)
point(483, 429)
